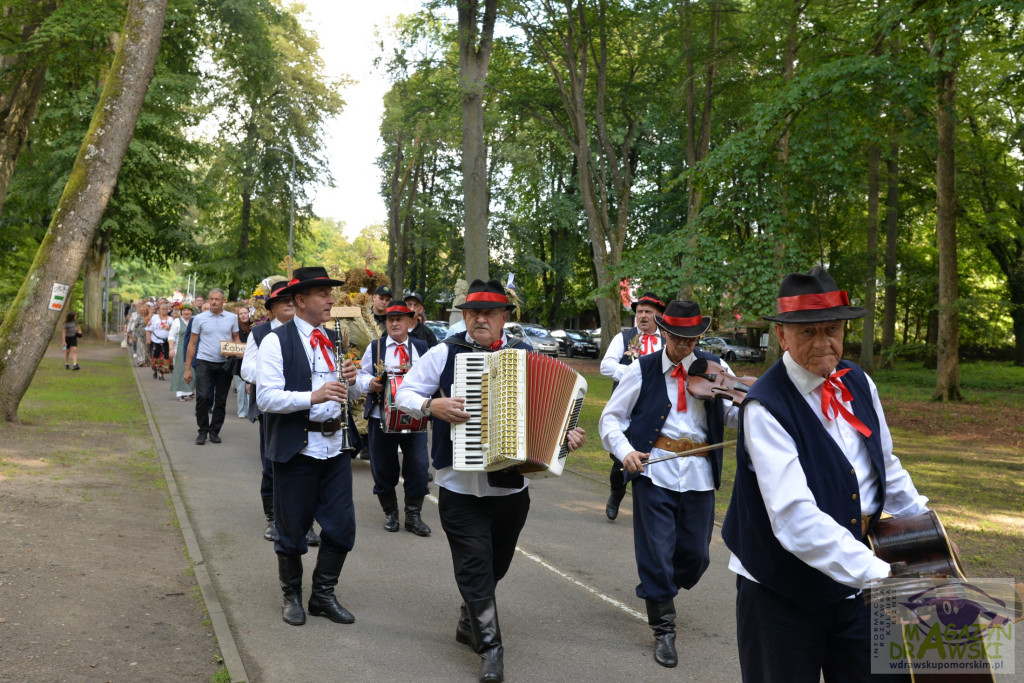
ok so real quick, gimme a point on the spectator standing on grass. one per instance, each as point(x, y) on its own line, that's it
point(179, 333)
point(213, 372)
point(70, 332)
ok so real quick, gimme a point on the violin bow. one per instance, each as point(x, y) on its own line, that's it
point(692, 451)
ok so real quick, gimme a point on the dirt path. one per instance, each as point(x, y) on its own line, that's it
point(94, 583)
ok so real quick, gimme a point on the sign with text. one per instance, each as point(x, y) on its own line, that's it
point(58, 296)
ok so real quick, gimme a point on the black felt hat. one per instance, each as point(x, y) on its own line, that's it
point(276, 296)
point(649, 298)
point(398, 308)
point(813, 297)
point(683, 318)
point(307, 278)
point(488, 294)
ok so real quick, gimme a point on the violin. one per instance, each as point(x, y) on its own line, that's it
point(708, 380)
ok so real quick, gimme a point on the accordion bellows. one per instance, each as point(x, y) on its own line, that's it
point(522, 406)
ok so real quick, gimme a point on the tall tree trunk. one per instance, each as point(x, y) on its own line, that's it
point(30, 322)
point(475, 44)
point(92, 286)
point(892, 217)
point(947, 387)
point(867, 345)
point(19, 102)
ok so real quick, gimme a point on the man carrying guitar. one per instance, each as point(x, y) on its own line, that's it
point(815, 469)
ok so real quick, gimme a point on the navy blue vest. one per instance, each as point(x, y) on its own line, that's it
point(625, 359)
point(374, 398)
point(441, 443)
point(286, 432)
point(652, 407)
point(830, 476)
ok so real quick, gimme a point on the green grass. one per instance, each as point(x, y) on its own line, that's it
point(976, 485)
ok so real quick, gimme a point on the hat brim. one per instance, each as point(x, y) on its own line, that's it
point(820, 315)
point(691, 331)
point(309, 284)
point(484, 304)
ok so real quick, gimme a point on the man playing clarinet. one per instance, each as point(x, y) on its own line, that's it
point(814, 470)
point(394, 352)
point(482, 513)
point(623, 349)
point(299, 390)
point(673, 500)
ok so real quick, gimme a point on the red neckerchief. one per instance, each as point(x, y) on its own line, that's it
point(647, 340)
point(402, 354)
point(318, 338)
point(832, 407)
point(679, 372)
point(496, 345)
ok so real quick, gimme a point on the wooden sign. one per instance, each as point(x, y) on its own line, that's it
point(232, 349)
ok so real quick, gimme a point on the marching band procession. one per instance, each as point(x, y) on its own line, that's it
point(331, 375)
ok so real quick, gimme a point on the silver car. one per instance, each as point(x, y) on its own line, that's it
point(730, 350)
point(537, 335)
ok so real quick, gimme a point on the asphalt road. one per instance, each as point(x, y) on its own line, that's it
point(567, 608)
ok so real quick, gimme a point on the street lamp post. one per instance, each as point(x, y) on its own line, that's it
point(291, 201)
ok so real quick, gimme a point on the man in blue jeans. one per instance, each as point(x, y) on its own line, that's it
point(209, 329)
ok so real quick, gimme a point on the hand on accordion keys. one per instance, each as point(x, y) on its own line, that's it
point(449, 409)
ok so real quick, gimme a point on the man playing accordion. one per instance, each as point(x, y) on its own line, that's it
point(482, 513)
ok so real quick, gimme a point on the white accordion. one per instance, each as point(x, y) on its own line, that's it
point(521, 405)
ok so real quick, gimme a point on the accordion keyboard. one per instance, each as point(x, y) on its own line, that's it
point(467, 438)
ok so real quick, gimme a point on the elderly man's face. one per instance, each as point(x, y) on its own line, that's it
point(645, 318)
point(414, 305)
point(216, 302)
point(485, 325)
point(817, 347)
point(398, 327)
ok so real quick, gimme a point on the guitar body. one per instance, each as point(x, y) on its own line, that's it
point(921, 542)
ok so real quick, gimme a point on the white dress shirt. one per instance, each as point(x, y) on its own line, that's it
point(800, 526)
point(251, 357)
point(271, 396)
point(421, 383)
point(611, 365)
point(367, 372)
point(687, 473)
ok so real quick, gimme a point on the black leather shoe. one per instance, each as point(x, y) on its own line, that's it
point(611, 508)
point(391, 521)
point(322, 602)
point(665, 650)
point(201, 439)
point(214, 438)
point(413, 522)
point(268, 511)
point(662, 618)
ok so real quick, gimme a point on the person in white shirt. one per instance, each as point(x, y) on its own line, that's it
point(394, 353)
point(673, 500)
point(299, 390)
point(481, 513)
point(623, 349)
point(814, 471)
point(209, 329)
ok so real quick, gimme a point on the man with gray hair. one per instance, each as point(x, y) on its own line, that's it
point(209, 329)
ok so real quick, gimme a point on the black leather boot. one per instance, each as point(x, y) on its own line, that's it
point(611, 508)
point(483, 618)
point(322, 602)
point(464, 631)
point(389, 503)
point(289, 571)
point(662, 618)
point(312, 537)
point(413, 522)
point(268, 510)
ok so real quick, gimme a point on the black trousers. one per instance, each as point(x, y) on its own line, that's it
point(482, 534)
point(781, 642)
point(267, 480)
point(305, 489)
point(215, 378)
point(384, 464)
point(615, 477)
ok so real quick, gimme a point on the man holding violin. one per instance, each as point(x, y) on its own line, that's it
point(814, 470)
point(673, 500)
point(623, 349)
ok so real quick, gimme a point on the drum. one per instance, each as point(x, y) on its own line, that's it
point(395, 420)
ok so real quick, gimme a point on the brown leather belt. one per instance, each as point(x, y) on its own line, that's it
point(326, 427)
point(680, 445)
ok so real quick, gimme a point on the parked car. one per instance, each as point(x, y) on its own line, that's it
point(576, 343)
point(537, 335)
point(438, 327)
point(730, 349)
